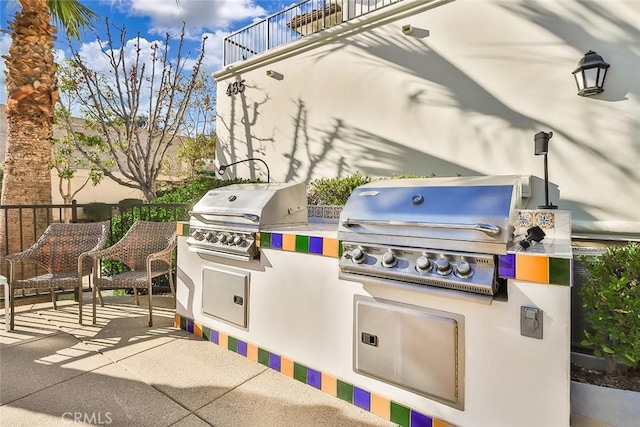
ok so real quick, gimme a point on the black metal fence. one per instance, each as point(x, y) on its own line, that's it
point(23, 225)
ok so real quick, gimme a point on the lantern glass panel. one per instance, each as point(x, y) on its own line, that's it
point(591, 77)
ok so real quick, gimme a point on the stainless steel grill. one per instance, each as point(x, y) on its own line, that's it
point(226, 220)
point(440, 234)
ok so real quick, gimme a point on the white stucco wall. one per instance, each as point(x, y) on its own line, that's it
point(465, 94)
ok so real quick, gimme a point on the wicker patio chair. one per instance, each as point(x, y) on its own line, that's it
point(146, 249)
point(62, 251)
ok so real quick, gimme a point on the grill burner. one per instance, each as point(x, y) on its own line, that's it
point(438, 234)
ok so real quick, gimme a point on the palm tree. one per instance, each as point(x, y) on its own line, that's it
point(31, 97)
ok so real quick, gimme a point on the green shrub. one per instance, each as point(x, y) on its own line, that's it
point(334, 191)
point(96, 212)
point(130, 201)
point(192, 191)
point(612, 301)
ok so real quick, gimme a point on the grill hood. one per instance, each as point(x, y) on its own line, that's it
point(462, 213)
point(252, 206)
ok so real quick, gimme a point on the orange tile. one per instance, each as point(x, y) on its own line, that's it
point(329, 384)
point(223, 340)
point(286, 366)
point(289, 242)
point(330, 247)
point(532, 268)
point(380, 406)
point(176, 321)
point(438, 423)
point(197, 329)
point(252, 352)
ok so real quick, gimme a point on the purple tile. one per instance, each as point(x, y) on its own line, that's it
point(276, 240)
point(361, 398)
point(242, 348)
point(314, 378)
point(420, 420)
point(315, 245)
point(507, 266)
point(274, 361)
point(189, 325)
point(215, 337)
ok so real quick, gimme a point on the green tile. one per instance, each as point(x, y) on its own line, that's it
point(302, 244)
point(185, 229)
point(265, 240)
point(300, 372)
point(345, 391)
point(400, 414)
point(263, 357)
point(232, 344)
point(206, 333)
point(340, 249)
point(560, 271)
point(183, 323)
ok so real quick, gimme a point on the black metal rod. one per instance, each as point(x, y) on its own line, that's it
point(251, 159)
point(546, 182)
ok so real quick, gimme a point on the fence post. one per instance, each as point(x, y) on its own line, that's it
point(74, 211)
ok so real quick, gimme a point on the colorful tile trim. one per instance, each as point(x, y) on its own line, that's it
point(300, 243)
point(182, 229)
point(535, 268)
point(364, 399)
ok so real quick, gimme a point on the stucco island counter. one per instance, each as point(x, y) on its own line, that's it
point(288, 310)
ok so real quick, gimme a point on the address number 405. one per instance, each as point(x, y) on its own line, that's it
point(235, 88)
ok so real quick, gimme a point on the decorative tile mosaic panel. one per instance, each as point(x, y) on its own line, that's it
point(364, 399)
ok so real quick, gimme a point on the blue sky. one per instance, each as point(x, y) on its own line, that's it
point(154, 18)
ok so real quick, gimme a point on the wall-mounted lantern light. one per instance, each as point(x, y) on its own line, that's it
point(541, 140)
point(590, 74)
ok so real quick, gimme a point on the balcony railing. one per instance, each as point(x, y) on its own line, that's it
point(293, 23)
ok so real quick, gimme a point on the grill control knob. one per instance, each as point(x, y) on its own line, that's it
point(389, 259)
point(222, 238)
point(423, 264)
point(443, 267)
point(463, 270)
point(211, 237)
point(228, 239)
point(238, 240)
point(358, 256)
point(197, 235)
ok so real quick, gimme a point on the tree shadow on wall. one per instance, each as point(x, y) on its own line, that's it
point(249, 113)
point(363, 150)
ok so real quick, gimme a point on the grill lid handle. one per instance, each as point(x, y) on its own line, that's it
point(488, 229)
point(200, 216)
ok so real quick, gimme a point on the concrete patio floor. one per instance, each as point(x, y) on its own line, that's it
point(120, 372)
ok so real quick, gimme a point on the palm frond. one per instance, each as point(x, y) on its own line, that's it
point(71, 15)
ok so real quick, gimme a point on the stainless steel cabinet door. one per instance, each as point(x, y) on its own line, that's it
point(415, 348)
point(225, 295)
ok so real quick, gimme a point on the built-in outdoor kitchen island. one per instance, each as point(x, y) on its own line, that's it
point(429, 302)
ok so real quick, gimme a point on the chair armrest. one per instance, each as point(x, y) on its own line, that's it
point(86, 256)
point(163, 255)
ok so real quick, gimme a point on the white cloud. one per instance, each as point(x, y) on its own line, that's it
point(199, 15)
